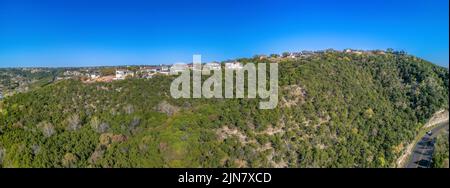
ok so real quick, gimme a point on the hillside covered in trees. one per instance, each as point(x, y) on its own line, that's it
point(441, 152)
point(335, 110)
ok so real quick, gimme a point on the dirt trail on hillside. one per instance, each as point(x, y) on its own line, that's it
point(438, 117)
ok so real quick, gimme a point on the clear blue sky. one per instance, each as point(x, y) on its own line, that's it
point(108, 32)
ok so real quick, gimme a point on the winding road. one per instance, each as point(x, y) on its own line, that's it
point(423, 150)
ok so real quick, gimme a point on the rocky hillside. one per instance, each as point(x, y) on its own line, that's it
point(335, 110)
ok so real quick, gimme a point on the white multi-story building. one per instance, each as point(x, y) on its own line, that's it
point(164, 68)
point(122, 74)
point(212, 66)
point(94, 75)
point(233, 65)
point(178, 67)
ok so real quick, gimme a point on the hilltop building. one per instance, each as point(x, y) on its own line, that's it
point(121, 74)
point(233, 65)
point(212, 66)
point(178, 67)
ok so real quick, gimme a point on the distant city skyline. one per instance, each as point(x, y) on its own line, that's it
point(51, 33)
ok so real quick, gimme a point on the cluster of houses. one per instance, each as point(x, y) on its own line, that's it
point(150, 71)
point(379, 52)
point(93, 74)
point(142, 72)
point(306, 53)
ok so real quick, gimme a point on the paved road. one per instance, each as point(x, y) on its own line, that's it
point(423, 150)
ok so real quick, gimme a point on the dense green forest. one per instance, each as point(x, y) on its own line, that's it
point(441, 152)
point(335, 110)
